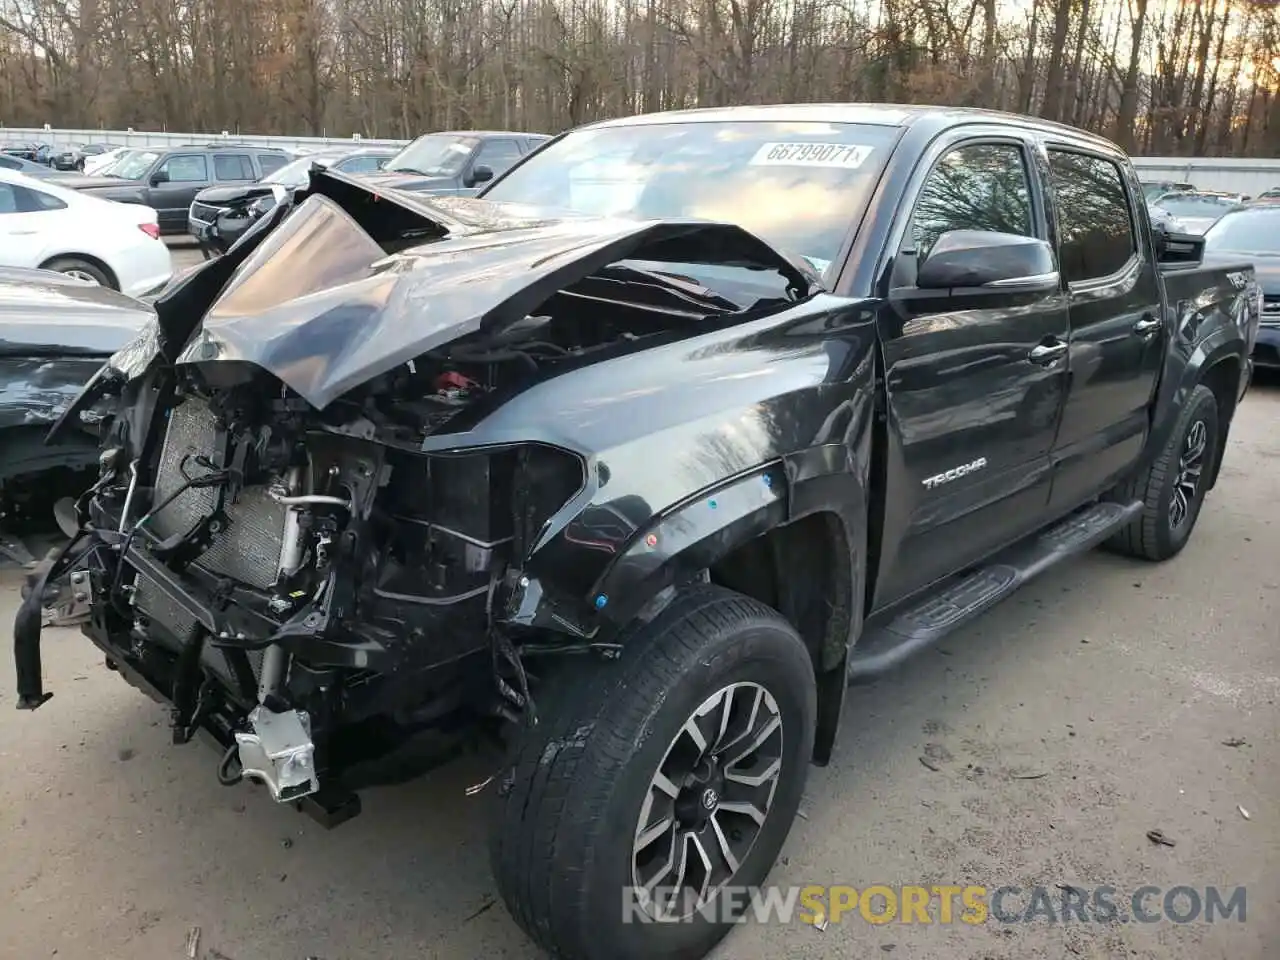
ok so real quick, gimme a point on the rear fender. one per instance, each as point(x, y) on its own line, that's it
point(1203, 340)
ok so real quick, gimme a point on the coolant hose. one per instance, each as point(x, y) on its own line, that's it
point(27, 626)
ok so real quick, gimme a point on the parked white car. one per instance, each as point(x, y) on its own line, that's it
point(93, 165)
point(117, 245)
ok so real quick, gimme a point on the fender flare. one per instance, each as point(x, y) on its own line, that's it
point(1223, 344)
point(695, 534)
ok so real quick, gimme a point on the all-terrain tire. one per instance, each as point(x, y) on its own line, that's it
point(1152, 536)
point(569, 804)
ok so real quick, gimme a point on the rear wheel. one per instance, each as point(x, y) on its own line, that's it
point(652, 785)
point(1172, 489)
point(81, 270)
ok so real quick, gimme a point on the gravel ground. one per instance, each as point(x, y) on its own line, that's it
point(1109, 685)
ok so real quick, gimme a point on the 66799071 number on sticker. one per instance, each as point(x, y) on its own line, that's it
point(848, 156)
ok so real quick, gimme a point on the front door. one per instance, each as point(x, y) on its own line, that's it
point(973, 405)
point(188, 174)
point(1118, 340)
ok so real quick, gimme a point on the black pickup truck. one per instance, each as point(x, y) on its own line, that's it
point(633, 463)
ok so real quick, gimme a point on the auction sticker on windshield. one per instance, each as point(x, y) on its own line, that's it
point(846, 156)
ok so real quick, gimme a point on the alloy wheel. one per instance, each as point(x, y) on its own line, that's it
point(81, 275)
point(1190, 467)
point(708, 802)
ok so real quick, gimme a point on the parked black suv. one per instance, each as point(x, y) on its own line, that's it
point(169, 179)
point(220, 214)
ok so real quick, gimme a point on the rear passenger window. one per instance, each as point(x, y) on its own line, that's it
point(36, 200)
point(1095, 225)
point(270, 162)
point(232, 166)
point(982, 186)
point(360, 164)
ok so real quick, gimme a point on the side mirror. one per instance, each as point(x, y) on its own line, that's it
point(985, 258)
point(481, 174)
point(159, 177)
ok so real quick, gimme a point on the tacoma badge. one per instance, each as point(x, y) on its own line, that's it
point(955, 473)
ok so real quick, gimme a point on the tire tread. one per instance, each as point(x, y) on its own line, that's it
point(540, 869)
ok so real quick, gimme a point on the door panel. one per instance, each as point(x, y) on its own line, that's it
point(1117, 337)
point(972, 419)
point(188, 175)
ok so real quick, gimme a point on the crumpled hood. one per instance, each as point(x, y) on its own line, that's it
point(314, 298)
point(395, 180)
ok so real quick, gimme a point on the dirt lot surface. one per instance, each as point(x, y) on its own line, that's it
point(184, 253)
point(1038, 748)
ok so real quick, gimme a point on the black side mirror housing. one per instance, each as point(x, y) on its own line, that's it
point(481, 174)
point(159, 177)
point(985, 258)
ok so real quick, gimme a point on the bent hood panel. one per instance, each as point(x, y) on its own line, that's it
point(321, 307)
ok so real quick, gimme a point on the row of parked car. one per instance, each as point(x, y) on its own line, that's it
point(1231, 224)
point(99, 212)
point(62, 156)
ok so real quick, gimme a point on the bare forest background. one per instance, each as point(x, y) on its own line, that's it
point(1162, 77)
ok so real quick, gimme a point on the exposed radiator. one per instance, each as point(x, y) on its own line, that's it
point(248, 550)
point(151, 604)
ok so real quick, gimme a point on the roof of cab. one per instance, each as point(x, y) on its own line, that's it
point(875, 114)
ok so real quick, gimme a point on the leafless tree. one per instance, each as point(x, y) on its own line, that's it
point(1160, 76)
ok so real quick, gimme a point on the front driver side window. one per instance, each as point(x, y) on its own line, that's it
point(982, 186)
point(186, 168)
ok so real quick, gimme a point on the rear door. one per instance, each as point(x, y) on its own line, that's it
point(1118, 339)
point(23, 226)
point(233, 168)
point(269, 163)
point(975, 379)
point(188, 174)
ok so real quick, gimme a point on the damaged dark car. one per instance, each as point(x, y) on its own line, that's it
point(55, 333)
point(631, 465)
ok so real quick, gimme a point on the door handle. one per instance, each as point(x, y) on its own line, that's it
point(21, 233)
point(1046, 354)
point(1146, 326)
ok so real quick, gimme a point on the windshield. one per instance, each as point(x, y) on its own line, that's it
point(799, 186)
point(132, 165)
point(434, 155)
point(1246, 231)
point(1196, 206)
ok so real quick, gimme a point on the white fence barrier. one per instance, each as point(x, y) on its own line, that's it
point(145, 138)
point(1249, 177)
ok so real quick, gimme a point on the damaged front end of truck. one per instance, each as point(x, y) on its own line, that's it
point(337, 507)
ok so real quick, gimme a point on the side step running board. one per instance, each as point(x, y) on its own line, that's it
point(965, 597)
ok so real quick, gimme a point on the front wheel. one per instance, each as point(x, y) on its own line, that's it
point(1173, 487)
point(652, 785)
